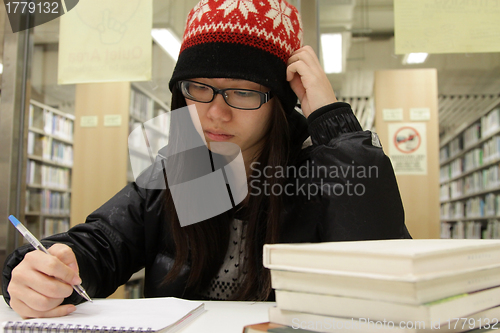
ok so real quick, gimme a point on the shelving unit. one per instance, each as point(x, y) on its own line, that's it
point(470, 179)
point(103, 150)
point(49, 167)
point(148, 112)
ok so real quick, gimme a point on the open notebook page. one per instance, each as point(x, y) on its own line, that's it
point(145, 313)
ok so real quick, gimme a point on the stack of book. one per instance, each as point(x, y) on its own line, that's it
point(448, 285)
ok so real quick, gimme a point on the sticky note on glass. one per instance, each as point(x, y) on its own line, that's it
point(106, 41)
point(441, 26)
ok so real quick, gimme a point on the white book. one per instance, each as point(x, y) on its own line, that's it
point(400, 289)
point(318, 323)
point(399, 257)
point(439, 311)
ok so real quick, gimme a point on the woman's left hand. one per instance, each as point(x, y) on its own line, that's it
point(308, 80)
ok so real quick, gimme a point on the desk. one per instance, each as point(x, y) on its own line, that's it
point(219, 317)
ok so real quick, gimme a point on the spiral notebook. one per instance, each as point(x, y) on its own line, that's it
point(116, 315)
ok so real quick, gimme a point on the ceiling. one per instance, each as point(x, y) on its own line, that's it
point(370, 24)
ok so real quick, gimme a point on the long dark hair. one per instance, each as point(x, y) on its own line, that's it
point(203, 245)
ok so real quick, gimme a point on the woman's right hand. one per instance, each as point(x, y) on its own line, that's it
point(40, 283)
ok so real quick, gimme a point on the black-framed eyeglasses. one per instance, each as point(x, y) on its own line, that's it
point(244, 99)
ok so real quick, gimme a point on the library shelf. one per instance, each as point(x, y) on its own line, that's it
point(469, 147)
point(470, 218)
point(55, 137)
point(472, 195)
point(49, 162)
point(61, 216)
point(48, 170)
point(53, 189)
point(470, 175)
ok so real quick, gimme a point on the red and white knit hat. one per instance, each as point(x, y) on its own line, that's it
point(243, 39)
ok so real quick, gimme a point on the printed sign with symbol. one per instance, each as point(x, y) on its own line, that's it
point(408, 148)
point(407, 140)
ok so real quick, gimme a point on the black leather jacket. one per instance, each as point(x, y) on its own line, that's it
point(129, 231)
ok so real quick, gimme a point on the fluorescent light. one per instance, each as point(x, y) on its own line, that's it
point(414, 58)
point(1, 68)
point(331, 45)
point(168, 41)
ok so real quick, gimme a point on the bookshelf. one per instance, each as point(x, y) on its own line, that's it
point(148, 112)
point(470, 179)
point(48, 170)
point(102, 166)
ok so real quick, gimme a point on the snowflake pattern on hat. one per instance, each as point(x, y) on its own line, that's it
point(201, 8)
point(271, 25)
point(245, 7)
point(280, 14)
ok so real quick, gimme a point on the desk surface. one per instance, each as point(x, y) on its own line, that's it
point(221, 317)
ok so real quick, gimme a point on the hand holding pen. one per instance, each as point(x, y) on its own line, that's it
point(40, 283)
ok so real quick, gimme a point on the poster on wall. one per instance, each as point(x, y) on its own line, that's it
point(106, 41)
point(408, 148)
point(444, 26)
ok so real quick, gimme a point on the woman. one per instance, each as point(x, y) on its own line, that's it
point(242, 66)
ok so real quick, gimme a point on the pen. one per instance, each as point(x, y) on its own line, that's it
point(37, 245)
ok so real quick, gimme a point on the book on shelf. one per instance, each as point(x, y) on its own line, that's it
point(491, 149)
point(48, 171)
point(48, 176)
point(46, 120)
point(401, 289)
point(57, 125)
point(147, 119)
point(49, 149)
point(133, 289)
point(444, 153)
point(54, 226)
point(166, 314)
point(489, 319)
point(471, 229)
point(458, 306)
point(472, 160)
point(397, 257)
point(492, 229)
point(490, 123)
point(472, 134)
point(474, 207)
point(141, 106)
point(456, 146)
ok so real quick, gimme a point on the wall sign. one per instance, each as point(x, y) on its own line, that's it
point(408, 148)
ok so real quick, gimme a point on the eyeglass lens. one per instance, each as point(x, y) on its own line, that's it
point(238, 98)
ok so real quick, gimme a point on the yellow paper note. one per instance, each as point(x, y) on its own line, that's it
point(447, 26)
point(106, 41)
